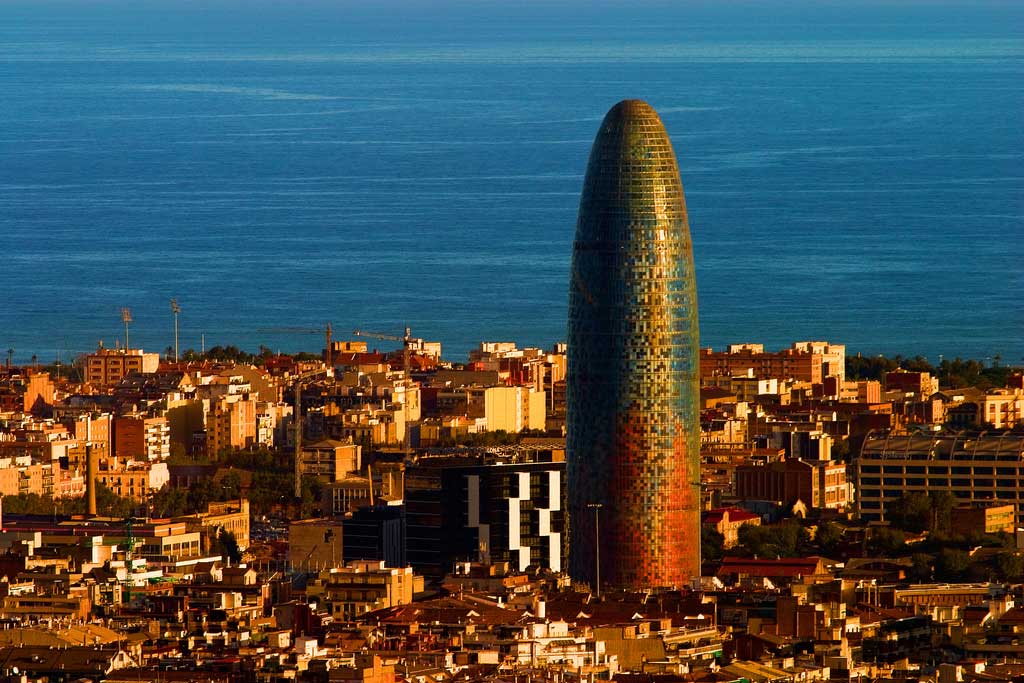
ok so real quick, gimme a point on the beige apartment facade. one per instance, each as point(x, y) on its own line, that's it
point(107, 367)
point(977, 470)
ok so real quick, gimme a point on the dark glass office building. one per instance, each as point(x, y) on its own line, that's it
point(633, 420)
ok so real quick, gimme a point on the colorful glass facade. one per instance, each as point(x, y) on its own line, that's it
point(633, 419)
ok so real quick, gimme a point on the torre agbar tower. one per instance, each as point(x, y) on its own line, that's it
point(633, 421)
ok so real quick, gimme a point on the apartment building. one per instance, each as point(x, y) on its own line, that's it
point(820, 485)
point(804, 362)
point(231, 424)
point(107, 367)
point(142, 438)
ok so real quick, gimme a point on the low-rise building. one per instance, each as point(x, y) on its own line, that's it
point(107, 367)
point(363, 586)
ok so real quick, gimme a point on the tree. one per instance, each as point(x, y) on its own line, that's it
point(788, 539)
point(1010, 566)
point(712, 543)
point(228, 546)
point(169, 501)
point(921, 569)
point(887, 542)
point(951, 564)
point(942, 504)
point(911, 512)
point(841, 450)
point(828, 537)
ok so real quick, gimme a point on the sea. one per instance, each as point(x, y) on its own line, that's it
point(853, 170)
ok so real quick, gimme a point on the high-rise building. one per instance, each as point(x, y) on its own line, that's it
point(633, 423)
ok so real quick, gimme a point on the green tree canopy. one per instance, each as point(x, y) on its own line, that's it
point(951, 564)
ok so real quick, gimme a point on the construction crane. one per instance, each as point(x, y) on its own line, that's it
point(297, 417)
point(406, 340)
point(328, 332)
point(129, 548)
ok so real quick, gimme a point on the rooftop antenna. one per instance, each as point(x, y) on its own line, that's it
point(10, 357)
point(126, 317)
point(203, 344)
point(175, 309)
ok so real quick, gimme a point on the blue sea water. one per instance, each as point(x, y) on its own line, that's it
point(853, 170)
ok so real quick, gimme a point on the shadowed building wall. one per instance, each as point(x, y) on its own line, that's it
point(633, 427)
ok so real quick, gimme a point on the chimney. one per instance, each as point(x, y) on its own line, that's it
point(90, 467)
point(90, 478)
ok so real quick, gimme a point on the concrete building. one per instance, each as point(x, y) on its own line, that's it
point(134, 479)
point(331, 460)
point(1001, 408)
point(833, 356)
point(921, 384)
point(727, 521)
point(25, 390)
point(315, 543)
point(985, 469)
point(800, 362)
point(513, 409)
point(984, 519)
point(107, 367)
point(363, 586)
point(231, 516)
point(142, 438)
point(230, 424)
point(819, 485)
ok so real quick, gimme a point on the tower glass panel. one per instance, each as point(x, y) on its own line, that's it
point(633, 425)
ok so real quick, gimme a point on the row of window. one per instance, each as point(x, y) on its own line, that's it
point(940, 482)
point(941, 469)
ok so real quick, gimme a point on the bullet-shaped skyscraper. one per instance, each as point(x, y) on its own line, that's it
point(633, 420)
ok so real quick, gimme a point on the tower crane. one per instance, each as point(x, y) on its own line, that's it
point(297, 382)
point(405, 367)
point(327, 331)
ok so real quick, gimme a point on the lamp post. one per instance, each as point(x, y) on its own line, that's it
point(175, 309)
point(126, 317)
point(596, 507)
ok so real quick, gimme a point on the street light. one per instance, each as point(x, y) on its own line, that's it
point(126, 317)
point(175, 309)
point(596, 507)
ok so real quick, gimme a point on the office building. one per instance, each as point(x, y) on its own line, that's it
point(632, 417)
point(984, 469)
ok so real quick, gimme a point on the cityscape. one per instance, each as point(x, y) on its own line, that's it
point(625, 502)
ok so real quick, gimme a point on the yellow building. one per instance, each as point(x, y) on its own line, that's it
point(230, 424)
point(331, 460)
point(1002, 408)
point(513, 409)
point(984, 519)
point(231, 516)
point(135, 480)
point(363, 586)
point(107, 367)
